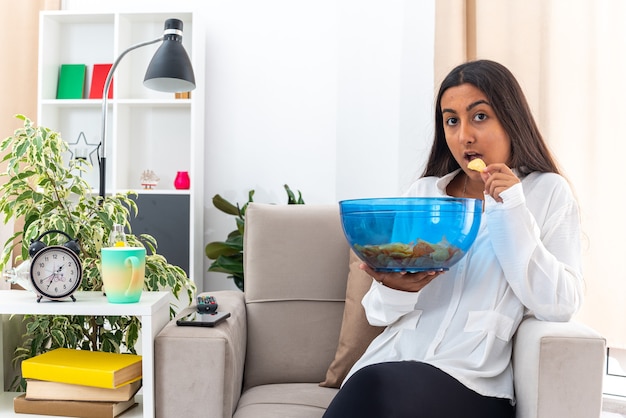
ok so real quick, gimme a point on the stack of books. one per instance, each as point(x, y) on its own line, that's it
point(79, 383)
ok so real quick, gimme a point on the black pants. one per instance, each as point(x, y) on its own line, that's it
point(410, 389)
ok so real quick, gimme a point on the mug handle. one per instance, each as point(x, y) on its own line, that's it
point(135, 278)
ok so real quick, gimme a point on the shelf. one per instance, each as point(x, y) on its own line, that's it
point(73, 103)
point(80, 103)
point(24, 302)
point(158, 191)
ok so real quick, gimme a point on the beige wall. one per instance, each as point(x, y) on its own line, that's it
point(18, 84)
point(18, 74)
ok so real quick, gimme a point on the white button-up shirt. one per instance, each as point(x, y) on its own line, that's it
point(526, 260)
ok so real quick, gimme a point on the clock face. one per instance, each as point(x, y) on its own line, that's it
point(55, 272)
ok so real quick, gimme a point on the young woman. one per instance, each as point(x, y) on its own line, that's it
point(446, 349)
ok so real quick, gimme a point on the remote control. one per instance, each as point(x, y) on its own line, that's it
point(207, 304)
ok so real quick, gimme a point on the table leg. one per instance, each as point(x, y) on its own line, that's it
point(150, 327)
point(2, 342)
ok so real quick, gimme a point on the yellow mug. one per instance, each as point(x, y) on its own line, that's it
point(123, 273)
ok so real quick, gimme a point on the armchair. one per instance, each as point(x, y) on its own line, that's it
point(268, 358)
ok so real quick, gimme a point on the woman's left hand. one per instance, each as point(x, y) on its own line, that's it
point(407, 282)
point(498, 178)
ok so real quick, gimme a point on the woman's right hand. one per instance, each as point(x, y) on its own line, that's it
point(407, 282)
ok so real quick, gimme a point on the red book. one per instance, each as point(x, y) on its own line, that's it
point(98, 78)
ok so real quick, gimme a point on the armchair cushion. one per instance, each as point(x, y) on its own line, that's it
point(356, 333)
point(305, 400)
point(295, 262)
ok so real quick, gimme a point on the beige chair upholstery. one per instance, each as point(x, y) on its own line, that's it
point(267, 360)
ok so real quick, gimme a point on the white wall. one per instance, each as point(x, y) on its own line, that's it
point(333, 97)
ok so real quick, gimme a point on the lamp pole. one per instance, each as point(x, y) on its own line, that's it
point(169, 70)
point(105, 109)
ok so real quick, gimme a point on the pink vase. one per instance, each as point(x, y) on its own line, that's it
point(182, 182)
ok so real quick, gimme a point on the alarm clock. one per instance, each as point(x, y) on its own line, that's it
point(55, 270)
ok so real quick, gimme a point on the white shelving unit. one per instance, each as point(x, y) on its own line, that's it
point(146, 129)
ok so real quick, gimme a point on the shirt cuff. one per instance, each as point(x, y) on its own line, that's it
point(511, 197)
point(397, 299)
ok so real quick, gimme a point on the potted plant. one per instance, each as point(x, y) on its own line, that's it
point(227, 255)
point(50, 194)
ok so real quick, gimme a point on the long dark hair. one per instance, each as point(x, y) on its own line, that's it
point(529, 151)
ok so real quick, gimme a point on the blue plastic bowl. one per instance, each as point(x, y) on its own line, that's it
point(411, 234)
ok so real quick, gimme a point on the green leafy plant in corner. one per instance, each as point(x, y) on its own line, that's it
point(48, 193)
point(228, 254)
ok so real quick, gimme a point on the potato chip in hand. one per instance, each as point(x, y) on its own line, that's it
point(477, 165)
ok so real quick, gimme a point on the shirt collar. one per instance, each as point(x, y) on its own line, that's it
point(442, 182)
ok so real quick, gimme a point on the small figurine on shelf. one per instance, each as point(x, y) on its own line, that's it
point(149, 179)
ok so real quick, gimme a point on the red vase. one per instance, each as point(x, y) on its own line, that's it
point(182, 182)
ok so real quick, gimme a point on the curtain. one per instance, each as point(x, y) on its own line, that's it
point(570, 58)
point(18, 74)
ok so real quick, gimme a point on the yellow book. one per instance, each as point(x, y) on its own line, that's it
point(83, 367)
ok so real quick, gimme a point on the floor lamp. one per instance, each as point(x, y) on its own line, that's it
point(169, 70)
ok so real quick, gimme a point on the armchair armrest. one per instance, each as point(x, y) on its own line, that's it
point(558, 367)
point(200, 369)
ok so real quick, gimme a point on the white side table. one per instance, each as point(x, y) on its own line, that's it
point(152, 309)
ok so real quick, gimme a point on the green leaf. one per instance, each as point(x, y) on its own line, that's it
point(133, 333)
point(72, 338)
point(240, 226)
point(31, 327)
point(225, 206)
point(21, 149)
point(215, 249)
point(238, 279)
point(231, 264)
point(235, 236)
point(58, 337)
point(36, 345)
point(291, 199)
point(44, 321)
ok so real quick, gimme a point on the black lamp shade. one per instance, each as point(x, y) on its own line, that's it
point(170, 69)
